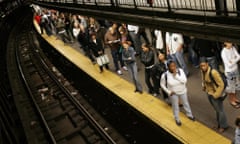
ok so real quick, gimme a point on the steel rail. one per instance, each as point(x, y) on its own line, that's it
point(79, 106)
point(29, 89)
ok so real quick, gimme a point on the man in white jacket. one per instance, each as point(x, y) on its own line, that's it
point(173, 82)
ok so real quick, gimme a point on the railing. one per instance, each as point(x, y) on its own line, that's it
point(217, 7)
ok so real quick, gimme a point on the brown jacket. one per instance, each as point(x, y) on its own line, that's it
point(109, 37)
point(209, 86)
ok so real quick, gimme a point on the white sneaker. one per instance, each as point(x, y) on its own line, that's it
point(125, 68)
point(119, 72)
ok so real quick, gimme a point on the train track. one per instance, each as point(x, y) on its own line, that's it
point(60, 111)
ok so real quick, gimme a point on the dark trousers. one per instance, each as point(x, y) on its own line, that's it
point(220, 114)
point(165, 95)
point(117, 56)
point(47, 29)
point(152, 86)
point(88, 53)
point(101, 67)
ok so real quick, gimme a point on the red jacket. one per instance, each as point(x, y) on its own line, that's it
point(38, 18)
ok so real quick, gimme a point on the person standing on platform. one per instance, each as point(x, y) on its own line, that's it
point(160, 68)
point(68, 28)
point(207, 49)
point(128, 56)
point(96, 47)
point(60, 27)
point(133, 33)
point(112, 39)
point(173, 82)
point(159, 40)
point(174, 43)
point(124, 33)
point(83, 39)
point(45, 23)
point(214, 92)
point(230, 58)
point(148, 59)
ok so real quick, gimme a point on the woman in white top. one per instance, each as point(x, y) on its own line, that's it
point(173, 82)
point(230, 58)
point(76, 29)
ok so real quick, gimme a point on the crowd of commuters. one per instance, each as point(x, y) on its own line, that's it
point(165, 67)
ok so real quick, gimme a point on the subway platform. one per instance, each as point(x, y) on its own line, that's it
point(200, 131)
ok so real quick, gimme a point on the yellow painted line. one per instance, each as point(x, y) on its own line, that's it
point(156, 110)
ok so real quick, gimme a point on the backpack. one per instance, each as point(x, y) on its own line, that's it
point(224, 79)
point(165, 76)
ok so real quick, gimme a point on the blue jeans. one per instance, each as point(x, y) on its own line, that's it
point(193, 56)
point(175, 105)
point(132, 69)
point(218, 107)
point(179, 59)
point(117, 57)
point(233, 81)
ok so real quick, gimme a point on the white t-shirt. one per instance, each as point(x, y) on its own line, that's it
point(133, 28)
point(230, 58)
point(176, 84)
point(173, 41)
point(76, 31)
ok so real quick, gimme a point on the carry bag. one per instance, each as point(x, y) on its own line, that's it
point(102, 60)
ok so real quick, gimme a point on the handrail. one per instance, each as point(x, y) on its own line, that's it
point(219, 7)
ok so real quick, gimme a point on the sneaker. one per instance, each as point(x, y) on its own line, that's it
point(155, 94)
point(125, 68)
point(119, 72)
point(139, 91)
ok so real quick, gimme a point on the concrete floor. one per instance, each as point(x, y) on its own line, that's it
point(200, 105)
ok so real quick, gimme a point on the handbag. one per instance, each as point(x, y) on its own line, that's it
point(102, 60)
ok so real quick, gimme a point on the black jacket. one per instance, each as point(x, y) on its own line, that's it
point(96, 47)
point(128, 53)
point(159, 69)
point(147, 58)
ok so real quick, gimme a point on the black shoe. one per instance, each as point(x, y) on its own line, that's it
point(94, 62)
point(150, 91)
point(138, 91)
point(178, 123)
point(192, 118)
